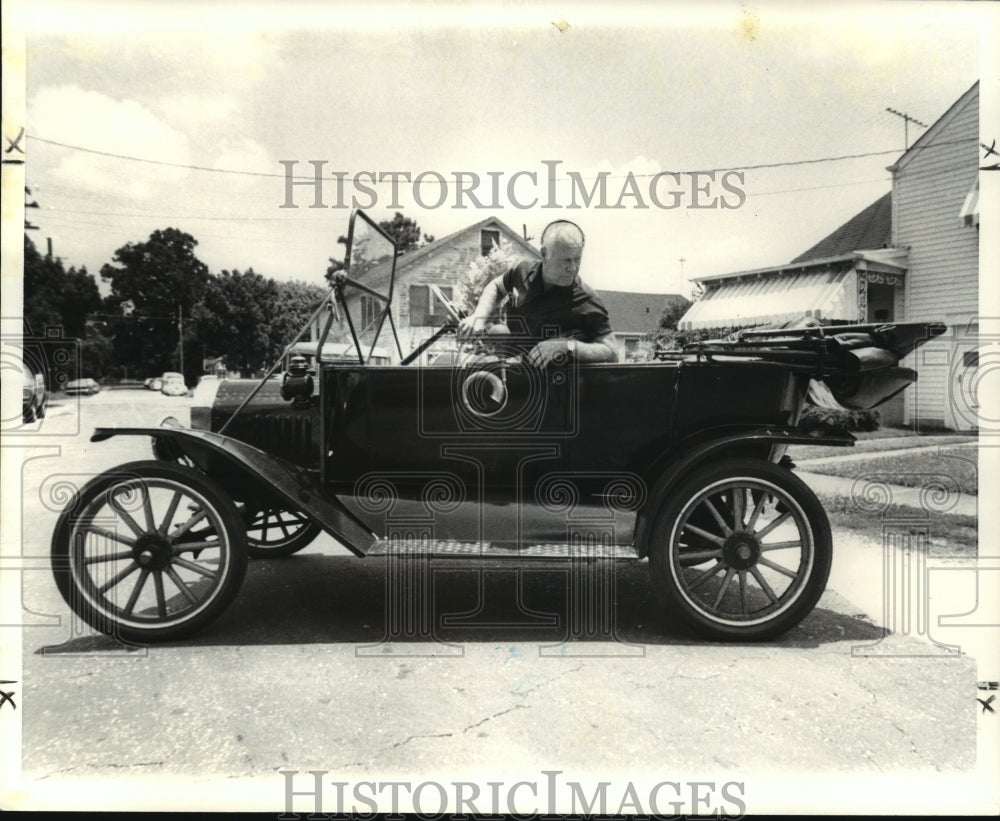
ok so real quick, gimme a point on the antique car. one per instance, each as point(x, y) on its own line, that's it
point(678, 461)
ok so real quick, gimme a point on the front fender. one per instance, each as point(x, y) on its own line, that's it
point(679, 463)
point(299, 488)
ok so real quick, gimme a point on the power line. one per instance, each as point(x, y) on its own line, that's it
point(756, 167)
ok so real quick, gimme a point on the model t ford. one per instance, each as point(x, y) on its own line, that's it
point(677, 460)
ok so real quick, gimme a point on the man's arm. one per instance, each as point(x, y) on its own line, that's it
point(602, 349)
point(476, 321)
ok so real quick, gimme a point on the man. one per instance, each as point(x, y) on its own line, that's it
point(551, 308)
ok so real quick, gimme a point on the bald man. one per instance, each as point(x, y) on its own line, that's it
point(552, 312)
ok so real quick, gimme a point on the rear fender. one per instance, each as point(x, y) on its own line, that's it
point(298, 488)
point(680, 462)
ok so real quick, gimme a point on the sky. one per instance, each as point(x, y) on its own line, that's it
point(198, 109)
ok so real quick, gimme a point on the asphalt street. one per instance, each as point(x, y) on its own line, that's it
point(309, 670)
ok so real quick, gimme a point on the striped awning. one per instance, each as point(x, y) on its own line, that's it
point(970, 208)
point(776, 297)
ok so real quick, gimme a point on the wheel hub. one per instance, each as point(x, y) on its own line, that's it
point(152, 551)
point(741, 551)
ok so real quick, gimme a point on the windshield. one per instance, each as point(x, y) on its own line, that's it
point(371, 255)
point(364, 293)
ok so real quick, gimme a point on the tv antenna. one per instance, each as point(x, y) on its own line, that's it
point(907, 119)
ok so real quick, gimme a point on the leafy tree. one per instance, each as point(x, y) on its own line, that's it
point(96, 352)
point(336, 264)
point(675, 308)
point(294, 304)
point(150, 282)
point(55, 296)
point(235, 318)
point(665, 337)
point(405, 232)
point(482, 271)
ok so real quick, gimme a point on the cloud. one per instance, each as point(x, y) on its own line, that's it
point(74, 116)
point(194, 110)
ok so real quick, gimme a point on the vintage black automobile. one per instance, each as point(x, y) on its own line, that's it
point(678, 460)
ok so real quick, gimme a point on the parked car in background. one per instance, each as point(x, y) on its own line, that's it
point(173, 384)
point(34, 396)
point(154, 383)
point(87, 387)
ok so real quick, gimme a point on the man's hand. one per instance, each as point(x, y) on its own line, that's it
point(470, 326)
point(555, 351)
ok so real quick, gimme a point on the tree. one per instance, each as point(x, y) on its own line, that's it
point(482, 271)
point(55, 296)
point(158, 275)
point(665, 337)
point(150, 283)
point(405, 233)
point(235, 318)
point(336, 264)
point(294, 304)
point(675, 308)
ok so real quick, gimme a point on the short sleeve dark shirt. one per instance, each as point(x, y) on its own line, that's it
point(536, 312)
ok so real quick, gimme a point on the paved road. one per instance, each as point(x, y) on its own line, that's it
point(297, 675)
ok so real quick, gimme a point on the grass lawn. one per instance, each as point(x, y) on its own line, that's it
point(948, 534)
point(957, 466)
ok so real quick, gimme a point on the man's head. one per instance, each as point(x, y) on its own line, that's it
point(562, 250)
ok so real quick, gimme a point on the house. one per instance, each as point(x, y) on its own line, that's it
point(635, 315)
point(935, 222)
point(416, 311)
point(912, 255)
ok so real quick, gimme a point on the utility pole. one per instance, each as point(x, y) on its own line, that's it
point(180, 336)
point(907, 119)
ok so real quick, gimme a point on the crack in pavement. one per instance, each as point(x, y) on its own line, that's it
point(408, 739)
point(495, 715)
point(520, 695)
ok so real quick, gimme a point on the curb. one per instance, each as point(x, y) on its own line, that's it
point(929, 500)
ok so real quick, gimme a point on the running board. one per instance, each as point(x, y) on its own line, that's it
point(498, 550)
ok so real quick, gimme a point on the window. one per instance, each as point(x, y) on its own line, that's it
point(371, 310)
point(425, 308)
point(970, 359)
point(487, 237)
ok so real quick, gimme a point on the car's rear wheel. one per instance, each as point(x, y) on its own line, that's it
point(742, 550)
point(149, 551)
point(275, 532)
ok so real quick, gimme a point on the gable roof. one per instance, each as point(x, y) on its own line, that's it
point(378, 276)
point(632, 312)
point(937, 126)
point(869, 230)
point(430, 249)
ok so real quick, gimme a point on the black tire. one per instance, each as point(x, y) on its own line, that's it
point(695, 540)
point(138, 521)
point(276, 532)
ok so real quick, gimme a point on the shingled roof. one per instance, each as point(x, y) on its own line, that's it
point(632, 312)
point(869, 230)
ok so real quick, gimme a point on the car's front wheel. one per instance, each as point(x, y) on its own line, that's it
point(149, 551)
point(741, 551)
